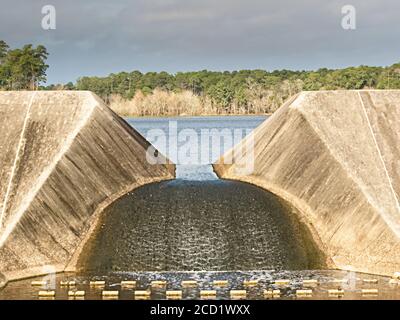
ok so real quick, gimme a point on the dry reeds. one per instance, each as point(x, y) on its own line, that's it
point(170, 103)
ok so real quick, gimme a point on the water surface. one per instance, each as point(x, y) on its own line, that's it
point(200, 168)
point(195, 225)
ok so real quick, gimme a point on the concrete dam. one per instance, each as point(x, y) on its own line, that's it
point(77, 190)
point(335, 156)
point(64, 157)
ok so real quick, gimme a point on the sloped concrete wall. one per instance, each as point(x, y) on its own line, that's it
point(64, 156)
point(335, 155)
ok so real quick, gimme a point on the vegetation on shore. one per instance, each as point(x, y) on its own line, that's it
point(22, 69)
point(192, 93)
point(237, 92)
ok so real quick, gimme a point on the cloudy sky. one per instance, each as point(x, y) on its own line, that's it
point(98, 37)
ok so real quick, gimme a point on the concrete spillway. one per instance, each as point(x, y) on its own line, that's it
point(200, 225)
point(64, 156)
point(335, 155)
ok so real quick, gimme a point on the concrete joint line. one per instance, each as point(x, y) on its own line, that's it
point(17, 155)
point(379, 152)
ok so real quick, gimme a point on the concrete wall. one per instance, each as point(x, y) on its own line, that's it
point(64, 156)
point(335, 155)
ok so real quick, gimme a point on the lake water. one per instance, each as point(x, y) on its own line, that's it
point(198, 227)
point(189, 134)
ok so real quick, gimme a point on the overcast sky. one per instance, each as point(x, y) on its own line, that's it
point(98, 37)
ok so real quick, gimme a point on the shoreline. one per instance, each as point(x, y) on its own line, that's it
point(194, 116)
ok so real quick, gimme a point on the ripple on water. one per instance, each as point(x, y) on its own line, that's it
point(200, 225)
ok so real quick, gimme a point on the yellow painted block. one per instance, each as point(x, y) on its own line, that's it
point(393, 281)
point(189, 283)
point(250, 283)
point(238, 293)
point(310, 282)
point(142, 297)
point(142, 293)
point(173, 294)
point(128, 283)
point(47, 293)
point(208, 293)
point(158, 283)
point(97, 283)
point(67, 283)
point(272, 293)
point(304, 293)
point(369, 292)
point(370, 280)
point(220, 283)
point(282, 282)
point(38, 283)
point(80, 293)
point(336, 292)
point(106, 293)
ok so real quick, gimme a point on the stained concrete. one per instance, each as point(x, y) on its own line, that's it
point(335, 155)
point(64, 156)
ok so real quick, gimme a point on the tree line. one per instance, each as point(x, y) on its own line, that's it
point(244, 91)
point(226, 86)
point(22, 69)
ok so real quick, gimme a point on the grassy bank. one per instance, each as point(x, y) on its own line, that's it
point(185, 103)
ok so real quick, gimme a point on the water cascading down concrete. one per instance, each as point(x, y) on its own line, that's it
point(335, 156)
point(64, 157)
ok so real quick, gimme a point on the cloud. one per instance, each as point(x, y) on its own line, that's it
point(96, 37)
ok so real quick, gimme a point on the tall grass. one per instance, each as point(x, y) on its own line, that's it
point(170, 103)
point(162, 103)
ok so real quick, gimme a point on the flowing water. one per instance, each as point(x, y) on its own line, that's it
point(198, 222)
point(185, 225)
point(201, 228)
